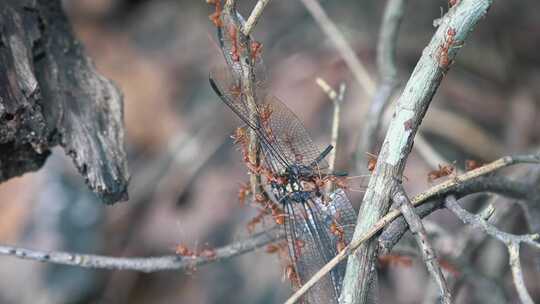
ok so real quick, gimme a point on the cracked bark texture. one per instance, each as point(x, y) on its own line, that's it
point(51, 94)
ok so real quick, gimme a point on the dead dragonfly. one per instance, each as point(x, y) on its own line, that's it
point(317, 225)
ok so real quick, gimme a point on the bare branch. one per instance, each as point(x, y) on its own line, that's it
point(410, 109)
point(381, 96)
point(332, 94)
point(479, 223)
point(146, 264)
point(494, 184)
point(485, 285)
point(512, 241)
point(254, 17)
point(420, 234)
point(330, 29)
point(337, 99)
point(229, 4)
point(244, 68)
point(444, 188)
point(517, 274)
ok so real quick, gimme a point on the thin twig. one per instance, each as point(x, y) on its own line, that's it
point(243, 67)
point(443, 188)
point(254, 17)
point(335, 124)
point(517, 273)
point(143, 264)
point(470, 242)
point(493, 184)
point(512, 241)
point(337, 99)
point(420, 234)
point(467, 272)
point(229, 4)
point(332, 94)
point(382, 94)
point(330, 29)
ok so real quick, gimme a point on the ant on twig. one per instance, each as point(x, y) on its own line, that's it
point(444, 170)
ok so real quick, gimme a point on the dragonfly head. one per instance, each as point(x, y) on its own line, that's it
point(294, 172)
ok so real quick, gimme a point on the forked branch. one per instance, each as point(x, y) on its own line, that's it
point(444, 188)
point(511, 241)
point(420, 234)
point(410, 109)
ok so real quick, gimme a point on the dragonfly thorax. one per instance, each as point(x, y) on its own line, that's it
point(299, 172)
point(295, 177)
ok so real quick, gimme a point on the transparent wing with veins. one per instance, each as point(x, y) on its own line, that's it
point(312, 244)
point(291, 136)
point(285, 140)
point(229, 89)
point(309, 250)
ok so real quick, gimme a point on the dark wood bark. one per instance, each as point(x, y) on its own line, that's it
point(51, 94)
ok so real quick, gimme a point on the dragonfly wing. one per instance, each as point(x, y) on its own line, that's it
point(228, 88)
point(339, 211)
point(310, 249)
point(291, 137)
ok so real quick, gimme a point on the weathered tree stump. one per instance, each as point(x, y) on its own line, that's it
point(50, 94)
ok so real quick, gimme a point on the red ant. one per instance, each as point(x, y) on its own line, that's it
point(339, 181)
point(277, 214)
point(339, 232)
point(372, 161)
point(255, 221)
point(264, 114)
point(472, 164)
point(291, 275)
point(255, 49)
point(273, 248)
point(279, 248)
point(235, 91)
point(452, 3)
point(243, 192)
point(443, 58)
point(441, 172)
point(449, 267)
point(298, 245)
point(234, 42)
point(240, 137)
point(395, 260)
point(261, 199)
point(183, 250)
point(216, 16)
point(209, 253)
